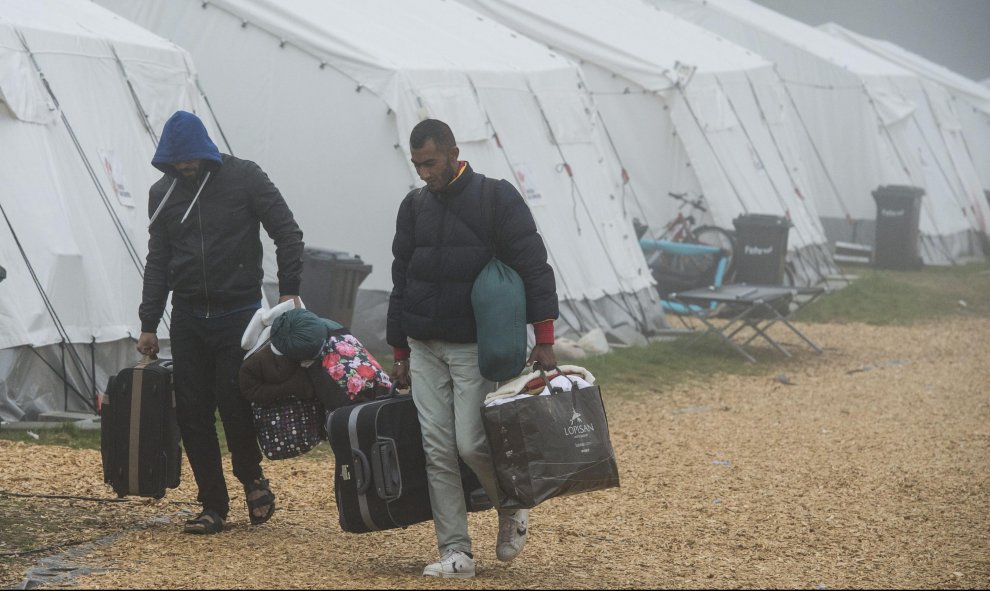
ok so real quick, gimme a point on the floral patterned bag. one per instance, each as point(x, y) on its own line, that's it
point(289, 428)
point(352, 369)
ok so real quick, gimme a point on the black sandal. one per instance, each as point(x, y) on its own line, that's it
point(260, 501)
point(207, 522)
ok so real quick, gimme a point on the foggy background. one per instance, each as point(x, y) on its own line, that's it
point(952, 33)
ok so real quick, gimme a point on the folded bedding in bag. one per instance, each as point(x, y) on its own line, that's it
point(564, 378)
point(551, 441)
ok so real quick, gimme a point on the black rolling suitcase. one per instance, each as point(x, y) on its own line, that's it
point(139, 436)
point(380, 476)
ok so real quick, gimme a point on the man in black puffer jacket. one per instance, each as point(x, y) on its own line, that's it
point(204, 247)
point(439, 251)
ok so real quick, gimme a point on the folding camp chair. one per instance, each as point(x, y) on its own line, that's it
point(756, 307)
point(685, 266)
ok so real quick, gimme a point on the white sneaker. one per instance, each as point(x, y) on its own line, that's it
point(512, 531)
point(453, 565)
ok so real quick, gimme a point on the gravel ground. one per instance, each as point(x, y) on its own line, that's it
point(865, 467)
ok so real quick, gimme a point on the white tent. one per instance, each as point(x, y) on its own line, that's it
point(870, 124)
point(81, 94)
point(323, 96)
point(970, 100)
point(687, 112)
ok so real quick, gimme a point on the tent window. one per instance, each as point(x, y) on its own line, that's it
point(457, 107)
point(568, 115)
point(712, 108)
point(22, 91)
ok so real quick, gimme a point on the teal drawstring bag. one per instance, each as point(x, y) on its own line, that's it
point(499, 301)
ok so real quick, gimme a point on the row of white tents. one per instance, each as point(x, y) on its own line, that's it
point(596, 109)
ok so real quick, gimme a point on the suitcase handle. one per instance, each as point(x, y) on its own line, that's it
point(385, 467)
point(393, 392)
point(362, 471)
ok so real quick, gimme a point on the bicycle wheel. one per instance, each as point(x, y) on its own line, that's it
point(724, 239)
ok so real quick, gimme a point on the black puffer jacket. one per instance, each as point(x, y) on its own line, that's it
point(212, 261)
point(439, 250)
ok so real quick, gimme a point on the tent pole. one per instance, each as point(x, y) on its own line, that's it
point(65, 387)
point(92, 363)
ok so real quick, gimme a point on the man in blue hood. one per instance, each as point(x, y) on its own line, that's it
point(204, 247)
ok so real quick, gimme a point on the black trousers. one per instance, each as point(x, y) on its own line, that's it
point(206, 356)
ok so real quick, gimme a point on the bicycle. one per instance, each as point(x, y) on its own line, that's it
point(682, 229)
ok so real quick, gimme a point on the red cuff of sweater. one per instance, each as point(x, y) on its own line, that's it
point(400, 353)
point(543, 331)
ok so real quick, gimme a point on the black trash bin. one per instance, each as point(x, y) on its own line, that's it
point(761, 248)
point(330, 281)
point(896, 240)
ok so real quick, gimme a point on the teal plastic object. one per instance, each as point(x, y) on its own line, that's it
point(499, 301)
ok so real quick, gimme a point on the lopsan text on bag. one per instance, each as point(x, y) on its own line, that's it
point(552, 443)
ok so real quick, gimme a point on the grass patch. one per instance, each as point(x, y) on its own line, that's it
point(878, 297)
point(66, 434)
point(658, 366)
point(881, 297)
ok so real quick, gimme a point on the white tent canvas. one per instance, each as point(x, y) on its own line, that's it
point(870, 125)
point(81, 93)
point(687, 112)
point(323, 96)
point(970, 100)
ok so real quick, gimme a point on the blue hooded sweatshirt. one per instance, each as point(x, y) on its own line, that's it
point(184, 138)
point(211, 262)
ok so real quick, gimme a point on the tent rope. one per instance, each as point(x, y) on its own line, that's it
point(50, 308)
point(569, 294)
point(955, 165)
point(783, 161)
point(576, 193)
point(818, 155)
point(821, 260)
point(931, 151)
point(626, 182)
point(115, 219)
point(711, 147)
point(773, 185)
point(927, 243)
point(137, 101)
point(926, 204)
point(615, 151)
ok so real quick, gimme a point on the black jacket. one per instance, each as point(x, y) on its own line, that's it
point(212, 261)
point(439, 249)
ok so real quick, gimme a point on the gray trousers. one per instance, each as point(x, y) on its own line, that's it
point(449, 391)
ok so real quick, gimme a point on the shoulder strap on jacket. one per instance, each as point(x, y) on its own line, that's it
point(488, 211)
point(418, 200)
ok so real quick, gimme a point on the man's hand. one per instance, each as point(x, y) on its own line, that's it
point(543, 354)
point(400, 374)
point(285, 298)
point(148, 344)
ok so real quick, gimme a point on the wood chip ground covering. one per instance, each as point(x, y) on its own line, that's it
point(865, 467)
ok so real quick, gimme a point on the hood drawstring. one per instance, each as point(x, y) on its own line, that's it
point(164, 200)
point(201, 185)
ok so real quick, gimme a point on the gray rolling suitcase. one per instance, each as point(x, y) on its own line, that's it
point(380, 475)
point(139, 436)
